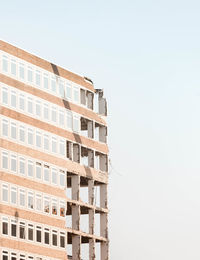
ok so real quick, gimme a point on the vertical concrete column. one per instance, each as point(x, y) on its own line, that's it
point(92, 249)
point(104, 225)
point(103, 196)
point(75, 187)
point(104, 251)
point(90, 158)
point(75, 217)
point(90, 127)
point(75, 196)
point(76, 247)
point(91, 192)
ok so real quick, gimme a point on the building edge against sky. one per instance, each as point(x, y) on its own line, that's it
point(53, 161)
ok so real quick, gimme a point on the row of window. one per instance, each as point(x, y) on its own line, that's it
point(39, 108)
point(8, 254)
point(32, 232)
point(27, 167)
point(32, 136)
point(32, 200)
point(39, 78)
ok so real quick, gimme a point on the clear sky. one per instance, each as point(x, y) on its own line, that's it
point(146, 56)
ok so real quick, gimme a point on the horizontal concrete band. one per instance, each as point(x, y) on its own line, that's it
point(21, 54)
point(51, 98)
point(70, 166)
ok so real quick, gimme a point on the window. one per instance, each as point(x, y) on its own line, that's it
point(38, 78)
point(5, 226)
point(76, 94)
point(68, 91)
point(5, 96)
point(46, 236)
point(5, 127)
point(62, 147)
point(13, 99)
point(5, 63)
point(13, 68)
point(54, 144)
point(62, 208)
point(22, 200)
point(5, 193)
point(22, 102)
point(38, 171)
point(76, 123)
point(13, 195)
point(54, 207)
point(30, 232)
point(46, 142)
point(21, 71)
point(38, 108)
point(30, 74)
point(13, 163)
point(22, 233)
point(38, 202)
point(46, 204)
point(22, 165)
point(5, 255)
point(46, 111)
point(22, 133)
point(22, 257)
point(30, 105)
point(38, 234)
point(61, 88)
point(13, 228)
point(38, 139)
point(54, 176)
point(46, 81)
point(69, 120)
point(13, 130)
point(30, 169)
point(53, 84)
point(46, 173)
point(54, 238)
point(62, 239)
point(5, 160)
point(54, 114)
point(61, 118)
point(13, 256)
point(62, 178)
point(30, 200)
point(30, 136)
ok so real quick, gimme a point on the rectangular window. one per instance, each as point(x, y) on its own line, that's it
point(62, 239)
point(62, 147)
point(46, 81)
point(38, 171)
point(53, 84)
point(46, 173)
point(30, 105)
point(76, 94)
point(22, 102)
point(38, 108)
point(62, 208)
point(54, 114)
point(30, 136)
point(22, 257)
point(30, 200)
point(46, 111)
point(22, 232)
point(13, 195)
point(5, 95)
point(30, 232)
point(38, 139)
point(5, 160)
point(5, 193)
point(13, 100)
point(46, 236)
point(54, 238)
point(13, 130)
point(22, 165)
point(22, 133)
point(61, 118)
point(54, 176)
point(62, 178)
point(5, 226)
point(30, 169)
point(38, 78)
point(21, 71)
point(46, 204)
point(69, 120)
point(30, 74)
point(13, 256)
point(61, 89)
point(13, 68)
point(5, 255)
point(54, 207)
point(13, 163)
point(46, 142)
point(68, 91)
point(54, 144)
point(5, 63)
point(22, 198)
point(76, 123)
point(13, 228)
point(5, 127)
point(38, 202)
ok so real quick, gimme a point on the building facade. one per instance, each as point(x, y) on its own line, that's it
point(53, 161)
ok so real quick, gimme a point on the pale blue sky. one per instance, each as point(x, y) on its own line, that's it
point(146, 56)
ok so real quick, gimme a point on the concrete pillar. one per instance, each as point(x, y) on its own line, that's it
point(90, 158)
point(104, 251)
point(90, 128)
point(76, 247)
point(75, 217)
point(75, 179)
point(91, 192)
point(103, 196)
point(92, 249)
point(104, 225)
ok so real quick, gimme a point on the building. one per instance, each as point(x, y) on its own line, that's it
point(54, 161)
